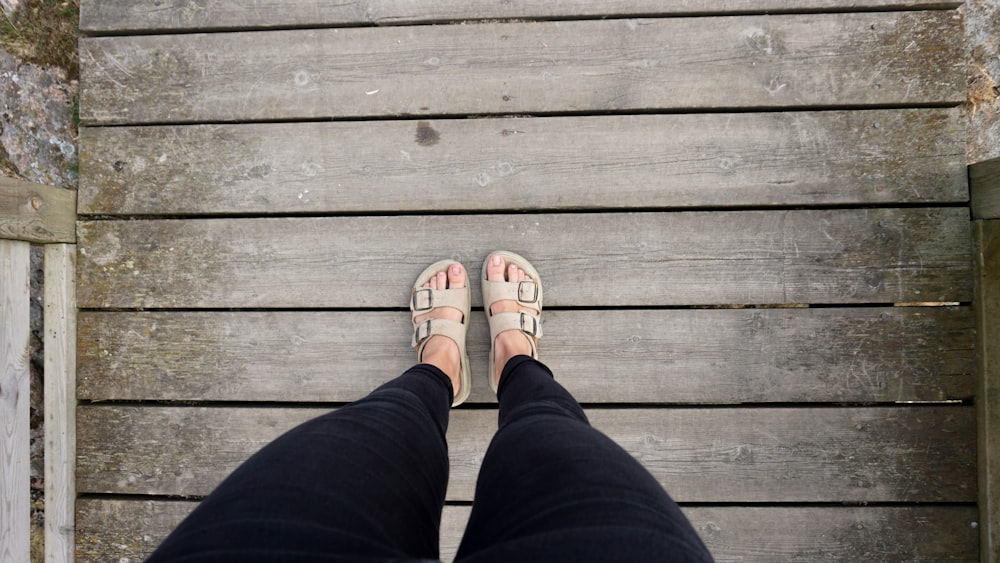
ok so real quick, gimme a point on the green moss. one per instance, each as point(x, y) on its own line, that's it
point(76, 111)
point(44, 32)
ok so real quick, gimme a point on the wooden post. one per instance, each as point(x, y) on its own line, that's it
point(984, 179)
point(985, 185)
point(60, 401)
point(15, 500)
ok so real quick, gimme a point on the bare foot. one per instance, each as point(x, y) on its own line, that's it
point(509, 343)
point(441, 351)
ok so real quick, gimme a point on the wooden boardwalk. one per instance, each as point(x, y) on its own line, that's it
point(779, 189)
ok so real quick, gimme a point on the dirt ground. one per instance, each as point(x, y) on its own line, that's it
point(38, 143)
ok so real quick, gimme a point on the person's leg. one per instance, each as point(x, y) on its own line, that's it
point(365, 482)
point(552, 488)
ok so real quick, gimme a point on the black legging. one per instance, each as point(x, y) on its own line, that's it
point(367, 483)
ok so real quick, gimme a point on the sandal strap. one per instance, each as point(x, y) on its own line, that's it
point(424, 299)
point(516, 320)
point(527, 293)
point(431, 327)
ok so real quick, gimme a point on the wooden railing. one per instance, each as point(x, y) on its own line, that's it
point(33, 213)
point(984, 181)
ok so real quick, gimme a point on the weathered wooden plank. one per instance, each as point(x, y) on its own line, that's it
point(984, 180)
point(36, 212)
point(987, 303)
point(763, 257)
point(874, 454)
point(504, 68)
point(15, 502)
point(544, 163)
point(807, 534)
point(117, 16)
point(671, 356)
point(60, 400)
point(116, 529)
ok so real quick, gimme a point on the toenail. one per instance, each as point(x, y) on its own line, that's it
point(455, 270)
point(497, 260)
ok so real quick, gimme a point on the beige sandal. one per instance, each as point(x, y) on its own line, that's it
point(526, 293)
point(422, 300)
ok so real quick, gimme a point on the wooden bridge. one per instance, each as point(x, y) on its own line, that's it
point(753, 218)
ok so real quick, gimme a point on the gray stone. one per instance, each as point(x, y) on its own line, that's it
point(37, 135)
point(8, 6)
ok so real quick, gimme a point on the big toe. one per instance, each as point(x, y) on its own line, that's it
point(495, 270)
point(456, 276)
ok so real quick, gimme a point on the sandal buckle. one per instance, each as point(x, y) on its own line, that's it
point(527, 291)
point(528, 324)
point(422, 299)
point(422, 331)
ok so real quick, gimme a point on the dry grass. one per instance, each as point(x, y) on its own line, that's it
point(44, 32)
point(984, 95)
point(37, 544)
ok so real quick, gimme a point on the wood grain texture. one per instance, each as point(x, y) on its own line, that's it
point(984, 183)
point(60, 401)
point(36, 212)
point(987, 255)
point(626, 139)
point(911, 533)
point(874, 454)
point(113, 529)
point(116, 16)
point(604, 162)
point(15, 501)
point(671, 356)
point(785, 61)
point(692, 258)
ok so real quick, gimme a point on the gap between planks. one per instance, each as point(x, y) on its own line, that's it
point(116, 17)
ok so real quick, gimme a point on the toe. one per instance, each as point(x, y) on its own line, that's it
point(495, 269)
point(456, 276)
